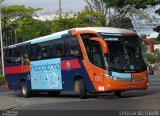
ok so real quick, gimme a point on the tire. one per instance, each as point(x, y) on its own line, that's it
point(24, 90)
point(54, 93)
point(117, 94)
point(82, 89)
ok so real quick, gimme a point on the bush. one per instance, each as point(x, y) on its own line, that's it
point(2, 80)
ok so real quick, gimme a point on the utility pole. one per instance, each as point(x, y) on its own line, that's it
point(1, 39)
point(60, 9)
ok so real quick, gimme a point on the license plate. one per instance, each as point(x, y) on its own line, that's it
point(131, 85)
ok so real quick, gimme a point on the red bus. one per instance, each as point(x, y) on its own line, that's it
point(85, 60)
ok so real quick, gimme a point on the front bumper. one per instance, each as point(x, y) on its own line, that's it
point(117, 85)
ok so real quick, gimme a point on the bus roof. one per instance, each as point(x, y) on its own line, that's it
point(107, 30)
point(59, 34)
point(46, 38)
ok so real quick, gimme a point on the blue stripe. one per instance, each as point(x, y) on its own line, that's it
point(112, 34)
point(45, 39)
point(121, 75)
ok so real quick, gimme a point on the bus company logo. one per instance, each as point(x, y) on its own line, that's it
point(68, 64)
point(46, 67)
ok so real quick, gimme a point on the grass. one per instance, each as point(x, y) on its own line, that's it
point(2, 80)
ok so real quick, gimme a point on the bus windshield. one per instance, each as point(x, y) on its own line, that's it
point(125, 54)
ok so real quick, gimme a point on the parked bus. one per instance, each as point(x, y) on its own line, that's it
point(85, 60)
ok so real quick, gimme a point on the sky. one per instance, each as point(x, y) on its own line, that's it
point(51, 5)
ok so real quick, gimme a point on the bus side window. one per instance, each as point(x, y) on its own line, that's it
point(27, 51)
point(75, 47)
point(32, 52)
point(67, 47)
point(26, 55)
point(59, 50)
point(9, 56)
point(52, 51)
point(38, 52)
point(44, 52)
point(13, 55)
point(18, 55)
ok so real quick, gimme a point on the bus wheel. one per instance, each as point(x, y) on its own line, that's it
point(117, 94)
point(82, 89)
point(54, 93)
point(24, 90)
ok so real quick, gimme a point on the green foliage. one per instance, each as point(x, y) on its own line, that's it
point(155, 41)
point(154, 58)
point(85, 18)
point(19, 18)
point(14, 12)
point(90, 18)
point(31, 29)
point(133, 3)
point(97, 6)
point(119, 22)
point(126, 8)
point(2, 80)
point(12, 15)
point(64, 23)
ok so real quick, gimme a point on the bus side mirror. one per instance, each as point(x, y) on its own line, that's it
point(150, 43)
point(102, 42)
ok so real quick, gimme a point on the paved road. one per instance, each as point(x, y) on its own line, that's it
point(132, 100)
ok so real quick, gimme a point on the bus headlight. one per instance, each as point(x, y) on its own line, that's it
point(110, 77)
point(114, 78)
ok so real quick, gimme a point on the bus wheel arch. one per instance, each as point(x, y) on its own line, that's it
point(80, 86)
point(24, 88)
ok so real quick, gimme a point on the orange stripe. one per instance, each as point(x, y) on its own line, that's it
point(138, 75)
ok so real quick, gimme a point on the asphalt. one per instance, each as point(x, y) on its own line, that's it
point(8, 100)
point(68, 101)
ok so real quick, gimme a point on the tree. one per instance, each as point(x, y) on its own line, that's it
point(123, 7)
point(32, 29)
point(90, 18)
point(12, 14)
point(120, 22)
point(157, 28)
point(96, 6)
point(154, 58)
point(85, 18)
point(67, 21)
point(133, 9)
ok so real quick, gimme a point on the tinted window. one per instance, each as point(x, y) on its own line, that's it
point(59, 50)
point(67, 46)
point(97, 55)
point(8, 56)
point(52, 51)
point(38, 52)
point(44, 52)
point(47, 50)
point(33, 53)
point(75, 47)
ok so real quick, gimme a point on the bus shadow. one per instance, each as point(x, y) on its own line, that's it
point(127, 94)
point(139, 93)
